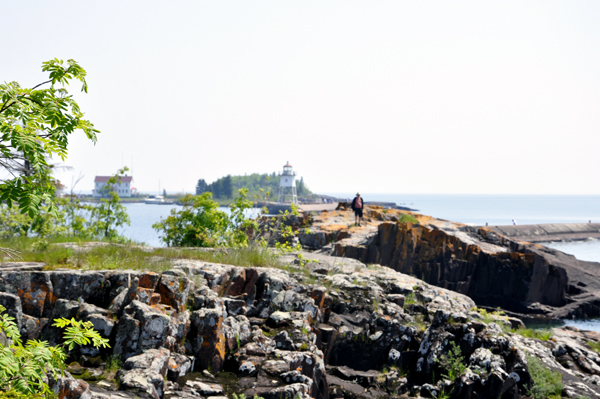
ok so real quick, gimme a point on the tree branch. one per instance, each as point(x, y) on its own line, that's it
point(43, 83)
point(5, 107)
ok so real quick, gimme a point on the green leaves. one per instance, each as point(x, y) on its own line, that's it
point(35, 125)
point(80, 333)
point(24, 368)
point(201, 224)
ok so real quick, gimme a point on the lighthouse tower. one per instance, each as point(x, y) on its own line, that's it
point(287, 186)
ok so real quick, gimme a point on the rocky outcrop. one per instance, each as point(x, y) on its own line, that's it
point(492, 269)
point(332, 328)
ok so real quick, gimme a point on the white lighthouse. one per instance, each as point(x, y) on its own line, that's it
point(287, 186)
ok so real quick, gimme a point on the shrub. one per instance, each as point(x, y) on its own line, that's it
point(453, 362)
point(546, 383)
point(201, 224)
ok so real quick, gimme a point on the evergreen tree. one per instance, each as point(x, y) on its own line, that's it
point(227, 187)
point(201, 187)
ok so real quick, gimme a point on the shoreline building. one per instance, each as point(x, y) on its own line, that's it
point(287, 186)
point(123, 188)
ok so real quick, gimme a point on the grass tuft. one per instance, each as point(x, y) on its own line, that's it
point(546, 383)
point(133, 257)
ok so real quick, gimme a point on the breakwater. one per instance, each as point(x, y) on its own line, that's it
point(550, 232)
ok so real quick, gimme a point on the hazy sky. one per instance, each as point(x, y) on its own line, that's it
point(378, 96)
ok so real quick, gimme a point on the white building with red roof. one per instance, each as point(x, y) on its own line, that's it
point(123, 188)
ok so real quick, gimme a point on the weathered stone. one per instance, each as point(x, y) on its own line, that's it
point(237, 332)
point(89, 286)
point(62, 308)
point(125, 297)
point(242, 281)
point(145, 372)
point(275, 367)
point(33, 288)
point(179, 365)
point(235, 306)
point(283, 341)
point(179, 327)
point(148, 280)
point(67, 387)
point(155, 326)
point(208, 340)
point(173, 288)
point(139, 380)
point(12, 304)
point(205, 389)
point(279, 319)
point(127, 337)
point(32, 327)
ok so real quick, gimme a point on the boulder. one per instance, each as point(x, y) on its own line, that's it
point(127, 337)
point(208, 340)
point(67, 387)
point(155, 326)
point(33, 288)
point(12, 304)
point(145, 372)
point(173, 288)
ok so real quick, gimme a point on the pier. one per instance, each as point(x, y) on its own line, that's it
point(550, 232)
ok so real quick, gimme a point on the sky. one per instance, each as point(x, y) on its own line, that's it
point(431, 97)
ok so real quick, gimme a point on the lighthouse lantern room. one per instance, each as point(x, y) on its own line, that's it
point(287, 186)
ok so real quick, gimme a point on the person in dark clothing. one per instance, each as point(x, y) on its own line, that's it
point(357, 206)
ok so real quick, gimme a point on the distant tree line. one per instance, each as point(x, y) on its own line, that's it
point(221, 188)
point(228, 186)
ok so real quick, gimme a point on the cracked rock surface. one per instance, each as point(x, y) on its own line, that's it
point(334, 327)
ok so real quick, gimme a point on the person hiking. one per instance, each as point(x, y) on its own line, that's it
point(357, 206)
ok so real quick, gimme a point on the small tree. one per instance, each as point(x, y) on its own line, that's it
point(202, 224)
point(23, 368)
point(110, 213)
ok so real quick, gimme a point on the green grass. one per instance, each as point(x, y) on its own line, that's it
point(410, 299)
point(595, 346)
point(14, 394)
point(113, 363)
point(543, 335)
point(492, 317)
point(407, 218)
point(546, 383)
point(129, 256)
